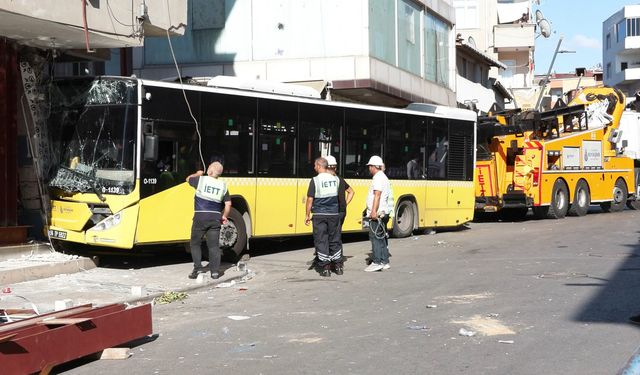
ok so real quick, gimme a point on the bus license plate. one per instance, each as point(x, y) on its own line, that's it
point(57, 234)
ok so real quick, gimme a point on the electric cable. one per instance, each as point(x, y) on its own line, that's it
point(186, 100)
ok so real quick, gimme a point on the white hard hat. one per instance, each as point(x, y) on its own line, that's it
point(376, 161)
point(330, 160)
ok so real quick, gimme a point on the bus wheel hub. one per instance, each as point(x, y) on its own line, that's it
point(228, 235)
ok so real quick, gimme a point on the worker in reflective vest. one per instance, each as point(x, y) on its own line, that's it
point(211, 209)
point(322, 201)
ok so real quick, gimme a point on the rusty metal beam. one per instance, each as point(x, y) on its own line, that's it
point(50, 345)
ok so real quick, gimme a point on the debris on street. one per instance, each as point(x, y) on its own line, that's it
point(170, 296)
point(466, 332)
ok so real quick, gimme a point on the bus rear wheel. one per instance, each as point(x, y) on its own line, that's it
point(403, 220)
point(581, 200)
point(233, 236)
point(619, 199)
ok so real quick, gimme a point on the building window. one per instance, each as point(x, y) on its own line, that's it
point(633, 27)
point(621, 30)
point(608, 41)
point(608, 71)
point(466, 14)
point(409, 37)
point(623, 66)
point(437, 50)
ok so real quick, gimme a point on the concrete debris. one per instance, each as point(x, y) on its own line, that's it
point(63, 304)
point(431, 306)
point(466, 332)
point(238, 317)
point(138, 291)
point(227, 284)
point(417, 328)
point(506, 341)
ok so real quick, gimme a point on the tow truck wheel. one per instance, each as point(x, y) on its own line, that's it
point(581, 200)
point(403, 220)
point(559, 201)
point(619, 199)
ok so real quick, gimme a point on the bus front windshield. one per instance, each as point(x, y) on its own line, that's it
point(94, 124)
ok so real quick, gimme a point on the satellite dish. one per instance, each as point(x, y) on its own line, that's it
point(545, 28)
point(472, 42)
point(539, 16)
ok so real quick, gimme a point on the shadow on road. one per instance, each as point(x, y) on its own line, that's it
point(619, 296)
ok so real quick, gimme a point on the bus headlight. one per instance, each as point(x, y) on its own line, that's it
point(109, 222)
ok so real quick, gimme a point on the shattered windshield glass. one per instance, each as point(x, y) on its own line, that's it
point(94, 127)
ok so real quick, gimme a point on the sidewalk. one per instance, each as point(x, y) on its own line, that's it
point(42, 279)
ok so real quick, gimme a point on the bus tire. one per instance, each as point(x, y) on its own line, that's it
point(581, 199)
point(559, 201)
point(403, 221)
point(619, 199)
point(233, 236)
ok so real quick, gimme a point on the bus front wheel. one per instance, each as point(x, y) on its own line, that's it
point(403, 220)
point(233, 236)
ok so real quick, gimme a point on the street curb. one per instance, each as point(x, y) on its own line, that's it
point(195, 286)
point(41, 271)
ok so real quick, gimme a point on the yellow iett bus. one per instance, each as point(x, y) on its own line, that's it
point(126, 145)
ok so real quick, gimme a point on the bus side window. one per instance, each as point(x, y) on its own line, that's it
point(404, 147)
point(319, 135)
point(228, 124)
point(437, 149)
point(363, 138)
point(277, 126)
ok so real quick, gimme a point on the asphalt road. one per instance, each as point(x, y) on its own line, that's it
point(542, 297)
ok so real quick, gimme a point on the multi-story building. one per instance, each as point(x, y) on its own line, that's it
point(505, 31)
point(621, 49)
point(387, 52)
point(562, 86)
point(36, 37)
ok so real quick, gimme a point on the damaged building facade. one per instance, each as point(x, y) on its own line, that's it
point(39, 41)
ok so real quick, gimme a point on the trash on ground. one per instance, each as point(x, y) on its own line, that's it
point(466, 332)
point(238, 317)
point(418, 328)
point(227, 284)
point(431, 306)
point(250, 275)
point(170, 296)
point(506, 341)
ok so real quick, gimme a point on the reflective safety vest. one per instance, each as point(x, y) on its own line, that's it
point(210, 194)
point(325, 199)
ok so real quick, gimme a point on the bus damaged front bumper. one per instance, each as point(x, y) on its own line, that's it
point(71, 222)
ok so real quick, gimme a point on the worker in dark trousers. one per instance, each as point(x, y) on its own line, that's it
point(211, 209)
point(322, 201)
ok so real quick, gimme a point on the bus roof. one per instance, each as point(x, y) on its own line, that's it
point(420, 109)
